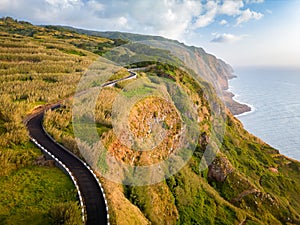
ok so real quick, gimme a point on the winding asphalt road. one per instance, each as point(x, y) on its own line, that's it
point(89, 187)
point(92, 195)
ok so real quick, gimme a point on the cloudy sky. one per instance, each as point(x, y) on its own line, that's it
point(242, 32)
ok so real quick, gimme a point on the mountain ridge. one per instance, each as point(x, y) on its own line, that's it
point(221, 71)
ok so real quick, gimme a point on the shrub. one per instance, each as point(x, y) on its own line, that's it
point(67, 213)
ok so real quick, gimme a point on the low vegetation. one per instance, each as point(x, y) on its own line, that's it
point(38, 66)
point(249, 182)
point(30, 195)
point(251, 191)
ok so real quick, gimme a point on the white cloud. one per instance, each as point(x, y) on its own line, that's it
point(204, 20)
point(94, 5)
point(225, 38)
point(207, 16)
point(254, 1)
point(4, 4)
point(223, 22)
point(64, 4)
point(248, 15)
point(231, 8)
point(123, 21)
point(170, 18)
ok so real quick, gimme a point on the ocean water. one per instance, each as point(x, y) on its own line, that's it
point(274, 96)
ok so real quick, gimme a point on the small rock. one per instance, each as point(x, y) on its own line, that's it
point(273, 170)
point(219, 169)
point(42, 161)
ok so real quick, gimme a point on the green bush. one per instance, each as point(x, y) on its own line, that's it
point(65, 214)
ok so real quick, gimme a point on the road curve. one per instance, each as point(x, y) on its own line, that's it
point(91, 193)
point(94, 201)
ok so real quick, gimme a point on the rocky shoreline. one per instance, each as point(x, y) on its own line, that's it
point(235, 107)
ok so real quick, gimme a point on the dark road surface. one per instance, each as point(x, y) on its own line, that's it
point(92, 195)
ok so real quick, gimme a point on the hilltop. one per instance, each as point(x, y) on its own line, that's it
point(248, 182)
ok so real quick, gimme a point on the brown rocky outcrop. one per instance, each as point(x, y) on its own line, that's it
point(219, 169)
point(235, 108)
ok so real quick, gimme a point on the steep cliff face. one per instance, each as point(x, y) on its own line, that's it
point(217, 72)
point(214, 69)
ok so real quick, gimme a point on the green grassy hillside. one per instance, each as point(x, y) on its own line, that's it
point(249, 182)
point(38, 66)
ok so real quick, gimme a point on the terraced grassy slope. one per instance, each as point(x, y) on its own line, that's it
point(38, 66)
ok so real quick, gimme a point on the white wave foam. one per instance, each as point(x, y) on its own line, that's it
point(252, 108)
point(235, 98)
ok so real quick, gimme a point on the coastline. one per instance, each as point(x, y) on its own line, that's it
point(236, 107)
point(244, 112)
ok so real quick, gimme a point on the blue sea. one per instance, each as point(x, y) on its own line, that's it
point(274, 96)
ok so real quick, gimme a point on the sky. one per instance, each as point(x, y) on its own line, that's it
point(241, 32)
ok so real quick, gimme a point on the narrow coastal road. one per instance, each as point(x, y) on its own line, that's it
point(132, 75)
point(91, 193)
